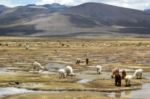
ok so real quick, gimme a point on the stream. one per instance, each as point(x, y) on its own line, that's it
point(143, 93)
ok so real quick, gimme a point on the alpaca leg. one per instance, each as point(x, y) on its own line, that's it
point(116, 82)
point(59, 75)
point(63, 75)
point(119, 82)
point(141, 76)
point(129, 83)
point(112, 76)
point(126, 82)
point(97, 70)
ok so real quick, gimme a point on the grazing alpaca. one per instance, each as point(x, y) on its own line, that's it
point(128, 79)
point(62, 73)
point(114, 72)
point(69, 71)
point(78, 61)
point(123, 73)
point(37, 66)
point(99, 69)
point(138, 73)
point(117, 79)
point(87, 61)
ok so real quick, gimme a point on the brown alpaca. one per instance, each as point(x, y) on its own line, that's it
point(114, 72)
point(117, 79)
point(123, 74)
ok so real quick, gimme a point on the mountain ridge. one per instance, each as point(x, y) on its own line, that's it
point(56, 19)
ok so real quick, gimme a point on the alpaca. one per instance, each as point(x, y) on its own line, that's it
point(78, 61)
point(123, 73)
point(87, 61)
point(99, 69)
point(37, 66)
point(69, 71)
point(62, 73)
point(117, 79)
point(128, 79)
point(114, 71)
point(138, 73)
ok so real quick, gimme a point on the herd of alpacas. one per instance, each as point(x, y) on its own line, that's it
point(117, 73)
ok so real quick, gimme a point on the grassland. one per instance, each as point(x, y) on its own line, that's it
point(17, 55)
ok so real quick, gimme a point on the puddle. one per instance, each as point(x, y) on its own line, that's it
point(83, 81)
point(90, 75)
point(54, 66)
point(4, 71)
point(144, 93)
point(12, 91)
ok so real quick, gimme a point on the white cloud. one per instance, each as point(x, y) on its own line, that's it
point(66, 2)
point(135, 4)
point(6, 2)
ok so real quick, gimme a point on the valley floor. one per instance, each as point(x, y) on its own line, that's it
point(18, 53)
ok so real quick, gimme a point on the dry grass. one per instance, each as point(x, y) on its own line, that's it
point(100, 51)
point(126, 53)
point(104, 84)
point(63, 95)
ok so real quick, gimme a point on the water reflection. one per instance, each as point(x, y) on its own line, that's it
point(12, 91)
point(144, 93)
point(118, 94)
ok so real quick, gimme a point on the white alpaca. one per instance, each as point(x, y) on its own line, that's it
point(37, 66)
point(128, 79)
point(62, 73)
point(138, 73)
point(69, 71)
point(99, 69)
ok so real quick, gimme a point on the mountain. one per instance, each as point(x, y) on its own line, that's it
point(3, 8)
point(88, 19)
point(147, 11)
point(111, 15)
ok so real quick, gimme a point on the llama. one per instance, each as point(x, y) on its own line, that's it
point(117, 79)
point(69, 71)
point(128, 79)
point(138, 73)
point(123, 73)
point(78, 61)
point(99, 69)
point(37, 66)
point(114, 71)
point(62, 73)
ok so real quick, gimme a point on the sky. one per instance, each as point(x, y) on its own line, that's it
point(135, 4)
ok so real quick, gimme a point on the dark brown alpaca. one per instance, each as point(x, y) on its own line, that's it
point(117, 79)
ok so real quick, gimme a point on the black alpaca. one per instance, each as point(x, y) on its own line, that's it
point(117, 79)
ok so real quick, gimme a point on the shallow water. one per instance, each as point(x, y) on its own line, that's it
point(144, 93)
point(12, 91)
point(4, 71)
point(54, 66)
point(82, 81)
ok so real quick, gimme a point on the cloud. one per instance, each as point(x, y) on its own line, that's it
point(6, 2)
point(135, 4)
